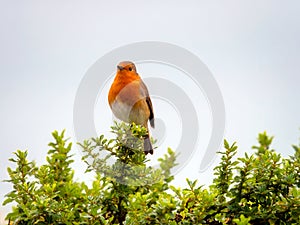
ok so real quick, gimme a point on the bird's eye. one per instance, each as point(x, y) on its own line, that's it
point(130, 69)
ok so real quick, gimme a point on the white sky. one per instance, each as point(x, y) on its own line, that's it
point(251, 47)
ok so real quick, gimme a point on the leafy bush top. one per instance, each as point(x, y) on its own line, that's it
point(260, 188)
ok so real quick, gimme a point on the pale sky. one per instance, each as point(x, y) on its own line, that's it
point(251, 48)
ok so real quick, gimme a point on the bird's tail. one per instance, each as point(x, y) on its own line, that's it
point(147, 146)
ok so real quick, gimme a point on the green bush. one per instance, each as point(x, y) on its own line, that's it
point(261, 188)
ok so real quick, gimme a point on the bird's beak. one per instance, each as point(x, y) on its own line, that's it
point(120, 67)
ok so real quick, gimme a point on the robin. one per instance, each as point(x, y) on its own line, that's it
point(129, 99)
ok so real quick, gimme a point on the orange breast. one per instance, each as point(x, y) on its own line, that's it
point(121, 85)
point(127, 101)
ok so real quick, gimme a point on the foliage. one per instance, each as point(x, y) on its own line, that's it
point(260, 188)
point(264, 187)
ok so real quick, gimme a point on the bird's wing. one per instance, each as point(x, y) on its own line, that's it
point(151, 117)
point(144, 92)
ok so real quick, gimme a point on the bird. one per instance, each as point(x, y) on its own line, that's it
point(129, 100)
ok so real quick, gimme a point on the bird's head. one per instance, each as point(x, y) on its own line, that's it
point(126, 66)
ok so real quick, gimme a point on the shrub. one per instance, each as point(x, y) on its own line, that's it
point(260, 188)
